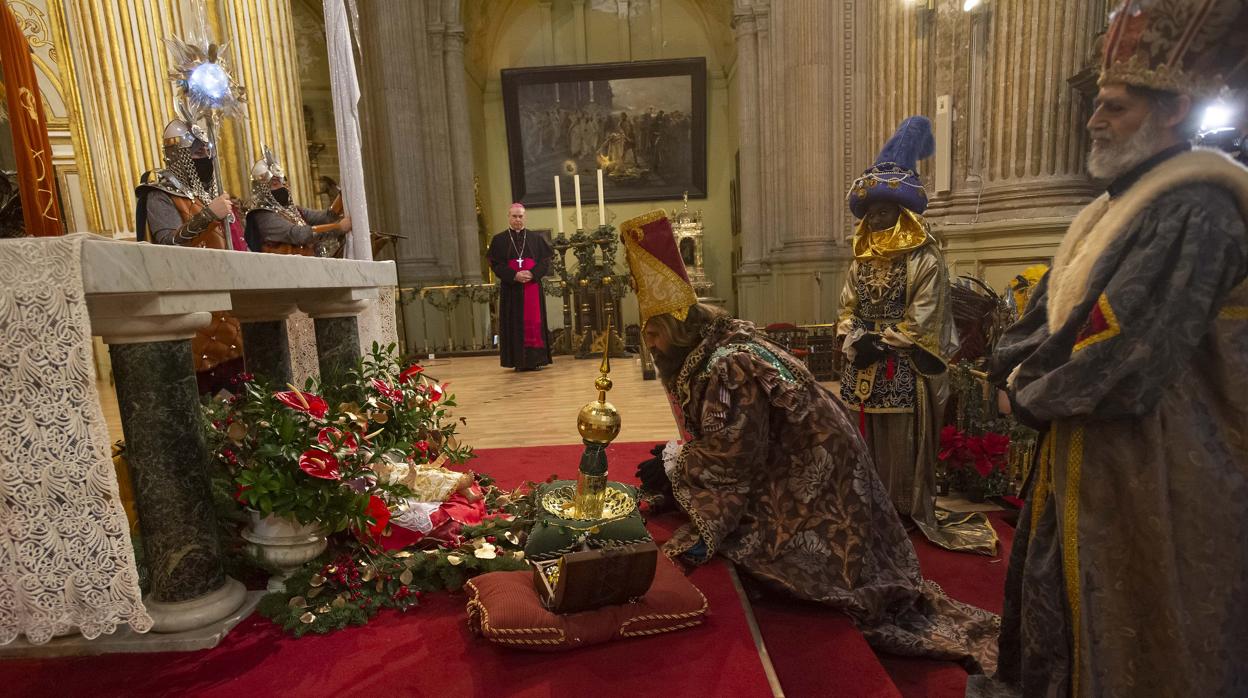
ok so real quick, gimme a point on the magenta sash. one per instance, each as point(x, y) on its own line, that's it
point(532, 305)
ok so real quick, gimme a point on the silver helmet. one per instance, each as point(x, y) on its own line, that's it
point(179, 139)
point(267, 169)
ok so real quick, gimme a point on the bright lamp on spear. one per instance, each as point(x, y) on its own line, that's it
point(204, 84)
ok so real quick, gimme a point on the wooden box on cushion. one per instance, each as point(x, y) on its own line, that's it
point(504, 608)
point(590, 579)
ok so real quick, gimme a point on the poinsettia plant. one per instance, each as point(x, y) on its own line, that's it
point(976, 463)
point(322, 454)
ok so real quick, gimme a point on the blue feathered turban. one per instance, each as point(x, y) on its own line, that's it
point(892, 177)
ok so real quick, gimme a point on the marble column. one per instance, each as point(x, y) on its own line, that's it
point(168, 457)
point(337, 345)
point(268, 351)
point(1016, 142)
point(266, 340)
point(337, 332)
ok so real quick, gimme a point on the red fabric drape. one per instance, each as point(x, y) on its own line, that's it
point(35, 177)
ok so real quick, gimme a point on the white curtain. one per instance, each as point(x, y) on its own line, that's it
point(340, 18)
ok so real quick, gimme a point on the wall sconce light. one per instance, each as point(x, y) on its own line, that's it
point(971, 5)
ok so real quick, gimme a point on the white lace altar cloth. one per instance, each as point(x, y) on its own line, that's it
point(66, 561)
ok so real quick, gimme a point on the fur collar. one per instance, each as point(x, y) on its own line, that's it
point(1103, 220)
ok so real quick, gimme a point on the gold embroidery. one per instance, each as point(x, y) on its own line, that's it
point(1112, 329)
point(864, 382)
point(1233, 312)
point(659, 288)
point(1070, 547)
point(1040, 494)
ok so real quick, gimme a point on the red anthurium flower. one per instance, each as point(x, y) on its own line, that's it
point(380, 513)
point(436, 392)
point(238, 494)
point(395, 394)
point(319, 463)
point(410, 372)
point(423, 446)
point(333, 438)
point(303, 402)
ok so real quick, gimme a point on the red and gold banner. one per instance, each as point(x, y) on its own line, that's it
point(35, 177)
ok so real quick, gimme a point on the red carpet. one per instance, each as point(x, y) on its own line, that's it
point(429, 652)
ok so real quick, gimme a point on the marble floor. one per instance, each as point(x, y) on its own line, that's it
point(509, 409)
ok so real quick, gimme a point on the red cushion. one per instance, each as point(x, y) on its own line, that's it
point(503, 607)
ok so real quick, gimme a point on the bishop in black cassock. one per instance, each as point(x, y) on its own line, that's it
point(523, 340)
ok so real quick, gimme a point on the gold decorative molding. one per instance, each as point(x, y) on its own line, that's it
point(262, 46)
point(114, 50)
point(73, 99)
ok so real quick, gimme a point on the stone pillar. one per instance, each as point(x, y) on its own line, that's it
point(266, 341)
point(168, 457)
point(1016, 143)
point(748, 136)
point(261, 37)
point(337, 332)
point(424, 189)
point(461, 142)
point(795, 105)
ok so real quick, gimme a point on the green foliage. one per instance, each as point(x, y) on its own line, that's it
point(314, 454)
point(350, 583)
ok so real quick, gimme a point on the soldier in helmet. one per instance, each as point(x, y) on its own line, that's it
point(276, 224)
point(183, 204)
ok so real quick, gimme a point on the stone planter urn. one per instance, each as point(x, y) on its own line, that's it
point(282, 545)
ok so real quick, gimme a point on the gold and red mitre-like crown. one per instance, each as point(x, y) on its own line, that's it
point(1193, 47)
point(658, 271)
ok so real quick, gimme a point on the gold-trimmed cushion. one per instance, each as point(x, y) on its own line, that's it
point(504, 608)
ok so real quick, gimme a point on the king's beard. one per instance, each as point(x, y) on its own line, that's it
point(669, 364)
point(1110, 161)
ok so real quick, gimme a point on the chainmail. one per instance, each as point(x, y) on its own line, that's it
point(262, 198)
point(179, 163)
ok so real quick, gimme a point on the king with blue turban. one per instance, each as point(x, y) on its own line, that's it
point(897, 333)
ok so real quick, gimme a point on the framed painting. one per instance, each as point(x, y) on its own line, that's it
point(643, 123)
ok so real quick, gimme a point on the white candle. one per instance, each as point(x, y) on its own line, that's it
point(576, 186)
point(558, 203)
point(602, 208)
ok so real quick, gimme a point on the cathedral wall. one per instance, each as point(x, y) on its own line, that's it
point(529, 33)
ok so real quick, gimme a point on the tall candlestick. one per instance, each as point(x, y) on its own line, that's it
point(558, 204)
point(602, 208)
point(576, 185)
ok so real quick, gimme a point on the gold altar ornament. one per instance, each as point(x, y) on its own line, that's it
point(598, 423)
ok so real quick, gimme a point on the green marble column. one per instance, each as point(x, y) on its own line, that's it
point(168, 457)
point(337, 345)
point(267, 351)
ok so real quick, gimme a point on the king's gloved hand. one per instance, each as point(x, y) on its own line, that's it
point(869, 349)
